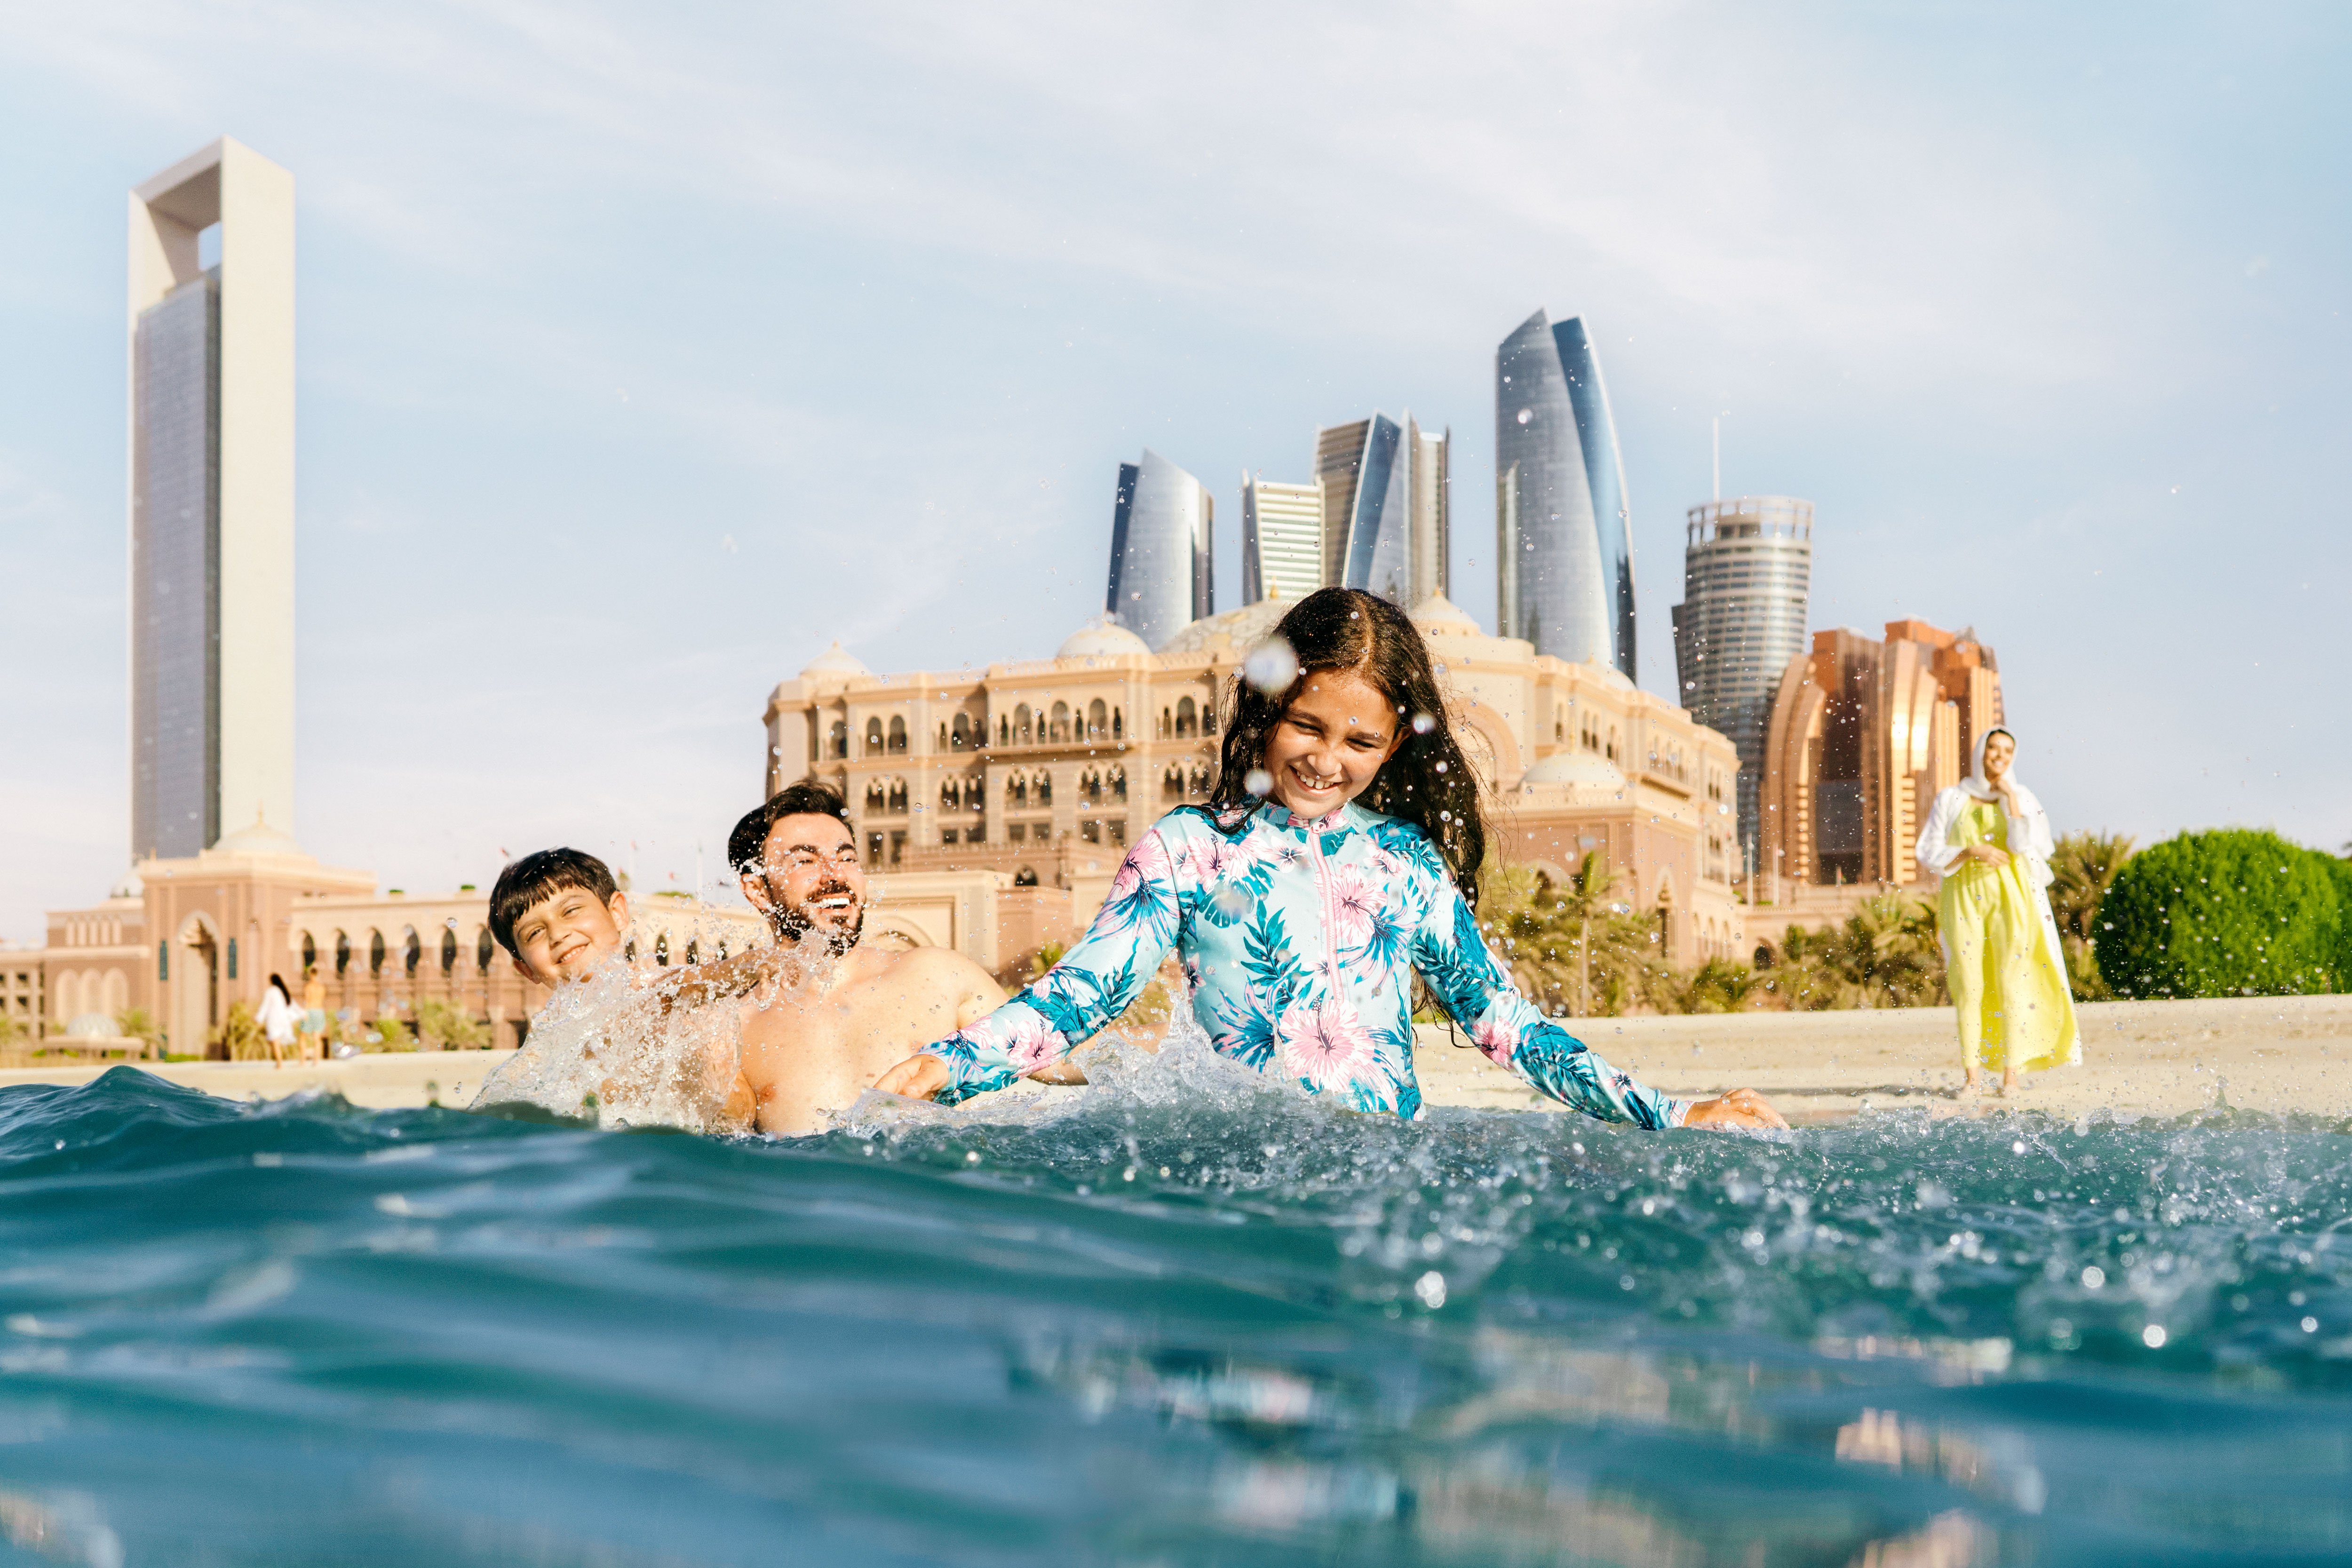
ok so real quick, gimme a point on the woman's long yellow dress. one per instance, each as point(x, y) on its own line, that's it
point(2015, 1004)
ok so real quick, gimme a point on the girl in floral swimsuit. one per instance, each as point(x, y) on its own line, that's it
point(1339, 856)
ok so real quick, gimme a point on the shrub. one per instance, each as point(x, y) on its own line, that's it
point(449, 1026)
point(1884, 955)
point(137, 1024)
point(2231, 913)
point(239, 1034)
point(389, 1034)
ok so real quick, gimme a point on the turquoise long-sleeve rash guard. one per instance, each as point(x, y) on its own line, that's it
point(1299, 939)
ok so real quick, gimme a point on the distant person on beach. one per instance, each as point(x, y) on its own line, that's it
point(812, 1045)
point(1301, 916)
point(277, 1019)
point(1987, 845)
point(314, 1016)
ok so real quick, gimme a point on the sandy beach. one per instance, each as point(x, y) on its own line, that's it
point(2162, 1058)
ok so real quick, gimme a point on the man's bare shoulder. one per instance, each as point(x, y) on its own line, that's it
point(940, 966)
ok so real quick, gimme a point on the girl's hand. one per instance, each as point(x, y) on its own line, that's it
point(920, 1077)
point(1740, 1107)
point(1986, 855)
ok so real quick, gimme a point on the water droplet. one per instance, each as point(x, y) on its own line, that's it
point(2093, 1276)
point(1258, 782)
point(1526, 415)
point(1431, 1289)
point(2153, 1336)
point(1231, 899)
point(1271, 666)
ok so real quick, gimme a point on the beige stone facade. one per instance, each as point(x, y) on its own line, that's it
point(184, 940)
point(1864, 735)
point(1021, 785)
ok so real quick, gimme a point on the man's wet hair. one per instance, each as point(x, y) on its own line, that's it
point(747, 847)
point(539, 876)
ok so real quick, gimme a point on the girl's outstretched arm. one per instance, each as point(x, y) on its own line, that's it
point(1057, 1012)
point(1454, 958)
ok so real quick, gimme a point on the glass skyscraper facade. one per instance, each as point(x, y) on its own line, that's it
point(176, 580)
point(1748, 572)
point(1563, 536)
point(1162, 550)
point(1384, 506)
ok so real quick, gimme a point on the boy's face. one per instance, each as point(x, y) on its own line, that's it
point(568, 933)
point(810, 880)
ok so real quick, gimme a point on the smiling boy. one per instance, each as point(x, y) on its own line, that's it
point(558, 914)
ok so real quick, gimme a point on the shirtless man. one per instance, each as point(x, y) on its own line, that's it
point(814, 1041)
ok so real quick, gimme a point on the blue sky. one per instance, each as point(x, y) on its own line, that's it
point(643, 355)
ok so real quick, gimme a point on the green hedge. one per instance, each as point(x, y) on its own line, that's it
point(2227, 913)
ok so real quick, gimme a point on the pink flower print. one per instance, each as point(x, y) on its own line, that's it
point(1023, 1036)
point(1327, 1046)
point(1498, 1037)
point(1148, 860)
point(1209, 862)
point(1354, 900)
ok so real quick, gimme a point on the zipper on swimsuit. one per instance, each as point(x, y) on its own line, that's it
point(1331, 910)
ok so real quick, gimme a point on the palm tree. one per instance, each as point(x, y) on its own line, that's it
point(2083, 866)
point(1571, 947)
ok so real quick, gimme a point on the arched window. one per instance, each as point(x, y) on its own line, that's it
point(975, 793)
point(897, 797)
point(1118, 784)
point(1098, 719)
point(1020, 790)
point(897, 734)
point(1118, 724)
point(411, 952)
point(1003, 729)
point(1024, 877)
point(448, 950)
point(1188, 720)
point(310, 952)
point(1091, 785)
point(840, 734)
point(693, 951)
point(661, 949)
point(1209, 715)
point(1022, 720)
point(1045, 783)
point(874, 737)
point(342, 953)
point(722, 950)
point(876, 801)
point(943, 737)
point(1200, 782)
point(1612, 742)
point(1171, 784)
point(1167, 724)
point(1061, 730)
point(375, 953)
point(959, 734)
point(484, 951)
point(949, 795)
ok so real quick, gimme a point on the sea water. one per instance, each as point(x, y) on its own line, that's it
point(1184, 1317)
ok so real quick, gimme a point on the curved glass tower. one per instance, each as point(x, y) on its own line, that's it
point(1563, 538)
point(1384, 506)
point(1162, 565)
point(1747, 572)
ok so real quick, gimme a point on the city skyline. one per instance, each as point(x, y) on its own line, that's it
point(505, 436)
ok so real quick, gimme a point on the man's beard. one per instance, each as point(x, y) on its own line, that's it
point(792, 922)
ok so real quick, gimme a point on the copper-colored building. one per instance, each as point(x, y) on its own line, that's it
point(1863, 734)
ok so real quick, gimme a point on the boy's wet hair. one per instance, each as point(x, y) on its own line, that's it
point(747, 847)
point(1428, 782)
point(541, 875)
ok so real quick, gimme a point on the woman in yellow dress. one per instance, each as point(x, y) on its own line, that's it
point(1988, 844)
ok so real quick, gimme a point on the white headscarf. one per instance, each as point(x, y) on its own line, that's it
point(1980, 787)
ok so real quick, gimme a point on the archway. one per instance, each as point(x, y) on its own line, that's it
point(194, 987)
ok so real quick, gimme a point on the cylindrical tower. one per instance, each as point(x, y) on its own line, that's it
point(1747, 574)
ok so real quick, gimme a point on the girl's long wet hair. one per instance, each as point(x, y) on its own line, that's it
point(1428, 782)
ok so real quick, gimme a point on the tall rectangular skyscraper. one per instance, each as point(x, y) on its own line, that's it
point(1163, 569)
point(1384, 506)
point(212, 502)
point(1282, 539)
point(1563, 537)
